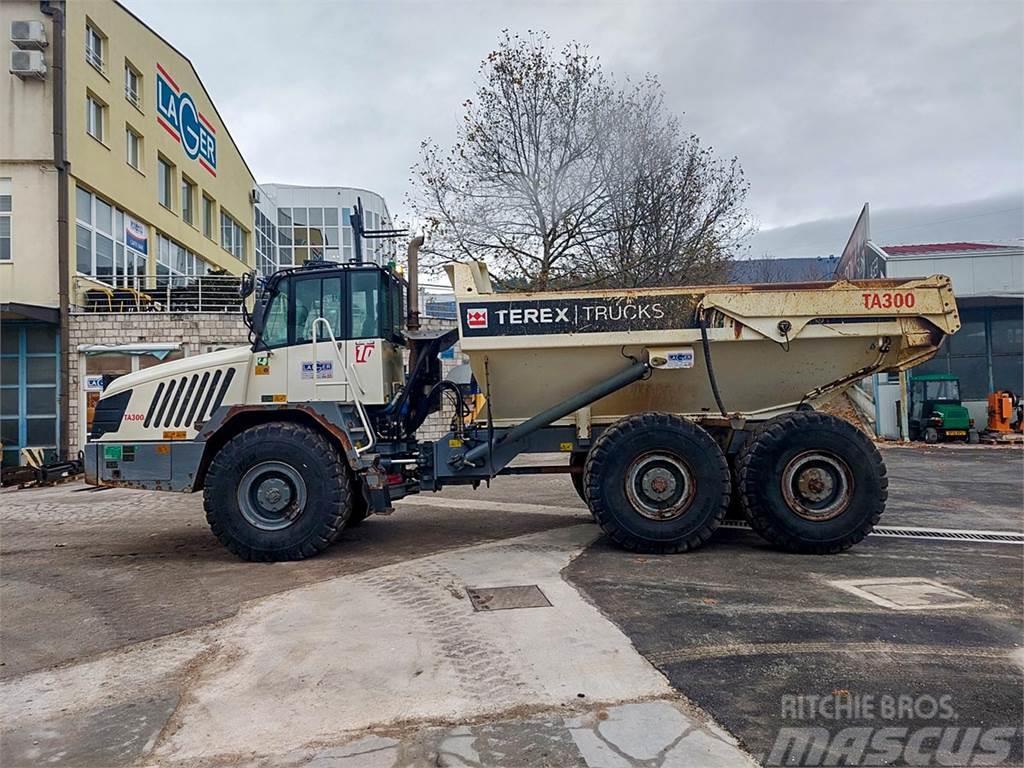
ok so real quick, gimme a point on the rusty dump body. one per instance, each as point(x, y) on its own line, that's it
point(773, 347)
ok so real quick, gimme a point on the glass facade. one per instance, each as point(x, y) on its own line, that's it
point(987, 354)
point(175, 263)
point(266, 244)
point(100, 248)
point(308, 234)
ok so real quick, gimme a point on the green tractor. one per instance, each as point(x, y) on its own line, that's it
point(936, 413)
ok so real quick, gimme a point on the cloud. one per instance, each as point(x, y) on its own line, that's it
point(826, 104)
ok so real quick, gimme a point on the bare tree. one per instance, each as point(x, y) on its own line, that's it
point(673, 211)
point(558, 179)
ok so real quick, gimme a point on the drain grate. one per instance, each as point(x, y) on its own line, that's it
point(506, 598)
point(910, 532)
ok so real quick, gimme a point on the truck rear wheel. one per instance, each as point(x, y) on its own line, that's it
point(657, 483)
point(277, 491)
point(811, 482)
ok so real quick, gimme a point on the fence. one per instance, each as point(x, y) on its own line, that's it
point(160, 293)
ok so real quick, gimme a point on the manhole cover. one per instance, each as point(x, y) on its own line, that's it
point(907, 594)
point(504, 598)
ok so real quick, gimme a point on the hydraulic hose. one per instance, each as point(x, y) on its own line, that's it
point(707, 361)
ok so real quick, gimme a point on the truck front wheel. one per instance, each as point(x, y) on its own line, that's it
point(811, 482)
point(277, 491)
point(657, 483)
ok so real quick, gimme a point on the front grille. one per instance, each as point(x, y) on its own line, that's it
point(184, 401)
point(108, 414)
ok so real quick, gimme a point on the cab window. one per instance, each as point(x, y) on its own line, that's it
point(275, 324)
point(943, 390)
point(365, 305)
point(316, 297)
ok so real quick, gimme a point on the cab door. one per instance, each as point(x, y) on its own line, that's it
point(317, 371)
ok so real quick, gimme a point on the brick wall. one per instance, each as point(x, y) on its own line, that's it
point(195, 331)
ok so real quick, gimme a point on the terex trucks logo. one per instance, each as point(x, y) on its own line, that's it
point(611, 314)
point(178, 115)
point(476, 318)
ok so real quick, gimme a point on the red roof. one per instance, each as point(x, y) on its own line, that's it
point(940, 248)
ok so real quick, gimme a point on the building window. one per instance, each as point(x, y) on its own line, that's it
point(208, 206)
point(175, 263)
point(232, 236)
point(94, 44)
point(101, 249)
point(132, 84)
point(309, 234)
point(266, 244)
point(133, 148)
point(188, 199)
point(5, 219)
point(165, 183)
point(28, 389)
point(94, 116)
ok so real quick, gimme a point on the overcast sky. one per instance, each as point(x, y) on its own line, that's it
point(917, 107)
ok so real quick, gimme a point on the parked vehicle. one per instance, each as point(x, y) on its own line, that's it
point(936, 412)
point(665, 400)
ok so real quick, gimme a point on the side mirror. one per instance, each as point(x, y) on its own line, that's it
point(247, 285)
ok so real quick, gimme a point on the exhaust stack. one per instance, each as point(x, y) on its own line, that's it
point(413, 319)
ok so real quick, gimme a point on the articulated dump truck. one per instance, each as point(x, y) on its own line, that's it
point(673, 405)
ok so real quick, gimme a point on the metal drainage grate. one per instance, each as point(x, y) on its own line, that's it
point(910, 532)
point(506, 598)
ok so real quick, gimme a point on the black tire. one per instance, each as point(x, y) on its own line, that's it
point(686, 466)
point(360, 509)
point(306, 473)
point(836, 480)
point(578, 460)
point(931, 435)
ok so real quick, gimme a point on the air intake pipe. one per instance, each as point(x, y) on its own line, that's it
point(413, 254)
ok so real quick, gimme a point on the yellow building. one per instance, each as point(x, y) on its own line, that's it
point(151, 193)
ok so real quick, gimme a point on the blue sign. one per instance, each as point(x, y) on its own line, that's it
point(179, 116)
point(136, 236)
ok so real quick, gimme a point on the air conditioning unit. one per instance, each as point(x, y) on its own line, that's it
point(28, 35)
point(28, 64)
point(254, 196)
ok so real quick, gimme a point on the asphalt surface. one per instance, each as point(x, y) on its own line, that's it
point(741, 631)
point(86, 571)
point(747, 632)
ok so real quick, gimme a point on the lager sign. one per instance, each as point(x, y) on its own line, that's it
point(178, 115)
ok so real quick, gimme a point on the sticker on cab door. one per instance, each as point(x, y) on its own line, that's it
point(324, 369)
point(262, 365)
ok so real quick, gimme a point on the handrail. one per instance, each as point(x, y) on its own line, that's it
point(371, 436)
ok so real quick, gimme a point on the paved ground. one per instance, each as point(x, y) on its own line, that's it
point(770, 631)
point(170, 652)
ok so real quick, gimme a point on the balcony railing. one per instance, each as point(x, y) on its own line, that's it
point(161, 293)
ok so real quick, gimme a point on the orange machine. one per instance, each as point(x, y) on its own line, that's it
point(1005, 412)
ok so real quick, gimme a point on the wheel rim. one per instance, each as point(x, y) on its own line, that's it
point(660, 486)
point(817, 485)
point(271, 495)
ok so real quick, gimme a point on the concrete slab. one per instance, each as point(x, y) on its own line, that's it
point(405, 644)
point(390, 667)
